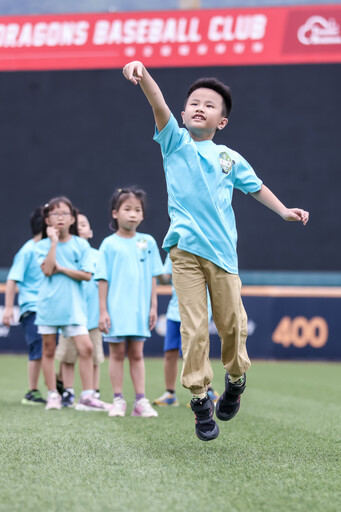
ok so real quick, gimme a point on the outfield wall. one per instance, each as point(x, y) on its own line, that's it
point(299, 323)
point(83, 133)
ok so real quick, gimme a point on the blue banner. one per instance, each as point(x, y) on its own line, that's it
point(301, 328)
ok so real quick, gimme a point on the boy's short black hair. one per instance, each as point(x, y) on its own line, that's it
point(217, 86)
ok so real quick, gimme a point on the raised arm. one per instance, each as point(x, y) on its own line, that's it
point(136, 73)
point(268, 198)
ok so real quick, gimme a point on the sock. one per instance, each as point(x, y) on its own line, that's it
point(70, 390)
point(200, 396)
point(171, 391)
point(118, 395)
point(236, 380)
point(139, 396)
point(87, 392)
point(51, 392)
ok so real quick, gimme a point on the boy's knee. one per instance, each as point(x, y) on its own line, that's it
point(49, 350)
point(86, 350)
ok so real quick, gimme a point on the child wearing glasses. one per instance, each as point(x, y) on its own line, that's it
point(66, 262)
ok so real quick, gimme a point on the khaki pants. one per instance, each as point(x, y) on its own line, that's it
point(66, 351)
point(191, 274)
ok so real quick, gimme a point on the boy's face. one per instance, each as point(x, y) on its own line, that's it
point(203, 114)
point(84, 229)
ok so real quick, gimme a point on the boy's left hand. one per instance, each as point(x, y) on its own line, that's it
point(296, 214)
point(152, 318)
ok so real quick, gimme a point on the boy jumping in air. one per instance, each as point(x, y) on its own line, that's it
point(202, 236)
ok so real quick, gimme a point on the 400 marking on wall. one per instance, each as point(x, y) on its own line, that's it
point(300, 332)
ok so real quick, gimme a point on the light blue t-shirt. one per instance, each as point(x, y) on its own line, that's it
point(128, 264)
point(28, 276)
point(200, 179)
point(91, 295)
point(173, 312)
point(61, 299)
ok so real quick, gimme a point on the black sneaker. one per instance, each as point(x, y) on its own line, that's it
point(33, 397)
point(229, 403)
point(205, 426)
point(68, 399)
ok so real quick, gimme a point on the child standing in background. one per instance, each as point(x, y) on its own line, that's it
point(27, 275)
point(66, 261)
point(66, 351)
point(126, 269)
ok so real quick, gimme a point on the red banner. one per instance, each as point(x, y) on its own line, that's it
point(172, 38)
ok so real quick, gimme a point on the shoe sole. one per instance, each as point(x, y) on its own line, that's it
point(144, 415)
point(87, 408)
point(24, 401)
point(210, 438)
point(176, 404)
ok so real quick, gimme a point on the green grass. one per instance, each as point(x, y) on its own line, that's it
point(280, 453)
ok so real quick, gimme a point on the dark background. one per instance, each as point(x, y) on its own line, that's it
point(83, 133)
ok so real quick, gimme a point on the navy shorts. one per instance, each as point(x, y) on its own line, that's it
point(32, 338)
point(173, 336)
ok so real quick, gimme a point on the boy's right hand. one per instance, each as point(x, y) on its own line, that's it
point(104, 323)
point(133, 71)
point(8, 316)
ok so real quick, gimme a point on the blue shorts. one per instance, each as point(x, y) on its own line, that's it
point(173, 336)
point(120, 339)
point(32, 338)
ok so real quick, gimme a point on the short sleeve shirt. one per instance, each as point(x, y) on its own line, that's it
point(129, 264)
point(61, 299)
point(28, 275)
point(201, 177)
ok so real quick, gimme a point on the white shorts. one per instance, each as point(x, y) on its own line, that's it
point(68, 330)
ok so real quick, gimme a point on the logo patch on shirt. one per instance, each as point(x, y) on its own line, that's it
point(226, 162)
point(142, 246)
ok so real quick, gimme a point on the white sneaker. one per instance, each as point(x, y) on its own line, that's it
point(90, 403)
point(54, 401)
point(143, 408)
point(118, 407)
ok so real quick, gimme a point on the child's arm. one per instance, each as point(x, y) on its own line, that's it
point(136, 73)
point(49, 264)
point(266, 197)
point(77, 275)
point(104, 323)
point(11, 289)
point(153, 306)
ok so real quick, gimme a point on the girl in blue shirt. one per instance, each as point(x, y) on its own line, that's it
point(65, 260)
point(126, 269)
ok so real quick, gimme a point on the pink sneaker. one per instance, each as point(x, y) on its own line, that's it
point(54, 401)
point(143, 408)
point(90, 403)
point(118, 407)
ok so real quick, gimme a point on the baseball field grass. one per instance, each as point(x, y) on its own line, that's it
point(282, 452)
